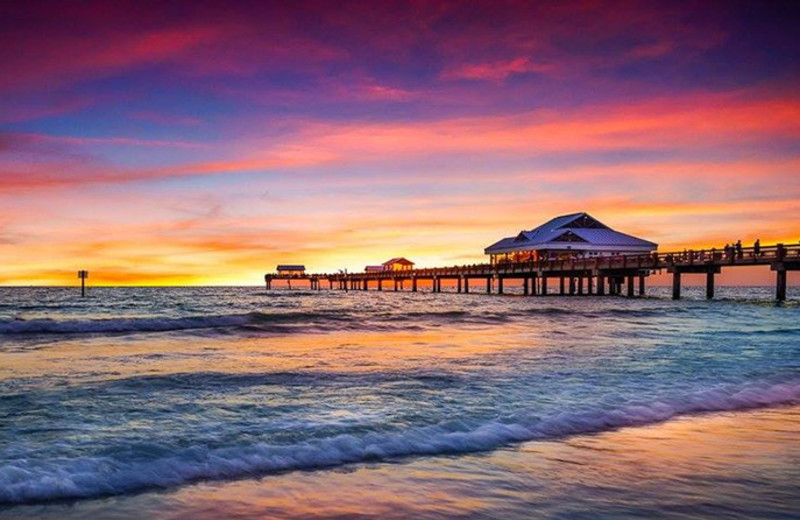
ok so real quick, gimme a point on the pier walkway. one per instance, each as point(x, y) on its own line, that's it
point(607, 275)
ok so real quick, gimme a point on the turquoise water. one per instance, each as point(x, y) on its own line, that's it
point(131, 391)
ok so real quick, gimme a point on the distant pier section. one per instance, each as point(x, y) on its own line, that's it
point(569, 255)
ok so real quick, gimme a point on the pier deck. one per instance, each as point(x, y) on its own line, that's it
point(576, 276)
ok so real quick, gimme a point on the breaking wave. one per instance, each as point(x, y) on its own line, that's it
point(27, 481)
point(252, 320)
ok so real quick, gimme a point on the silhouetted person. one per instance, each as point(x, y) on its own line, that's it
point(739, 254)
point(757, 248)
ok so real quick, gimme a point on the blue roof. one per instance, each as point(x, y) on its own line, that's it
point(575, 231)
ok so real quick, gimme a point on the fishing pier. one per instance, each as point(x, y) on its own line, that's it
point(573, 254)
point(620, 275)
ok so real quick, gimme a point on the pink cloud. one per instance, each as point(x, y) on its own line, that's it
point(497, 71)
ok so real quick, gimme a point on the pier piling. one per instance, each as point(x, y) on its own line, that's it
point(676, 285)
point(780, 285)
point(710, 285)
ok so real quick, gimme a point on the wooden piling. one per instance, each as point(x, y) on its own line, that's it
point(676, 285)
point(780, 285)
point(709, 285)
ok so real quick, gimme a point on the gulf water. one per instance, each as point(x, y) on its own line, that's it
point(128, 401)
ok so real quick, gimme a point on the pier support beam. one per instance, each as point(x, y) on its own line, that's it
point(571, 285)
point(601, 285)
point(710, 285)
point(676, 285)
point(466, 284)
point(395, 285)
point(589, 285)
point(630, 286)
point(380, 284)
point(488, 285)
point(780, 285)
point(414, 284)
point(580, 285)
point(641, 285)
point(525, 286)
point(534, 280)
point(544, 286)
point(561, 285)
point(499, 285)
point(459, 284)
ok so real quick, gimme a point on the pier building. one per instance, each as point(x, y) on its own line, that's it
point(292, 270)
point(577, 235)
point(398, 264)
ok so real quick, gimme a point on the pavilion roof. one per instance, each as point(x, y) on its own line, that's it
point(576, 231)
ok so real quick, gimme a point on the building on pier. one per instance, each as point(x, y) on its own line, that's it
point(568, 236)
point(291, 270)
point(398, 264)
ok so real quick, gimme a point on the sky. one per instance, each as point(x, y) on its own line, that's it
point(160, 143)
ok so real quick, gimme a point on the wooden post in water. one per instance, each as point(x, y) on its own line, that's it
point(601, 285)
point(543, 292)
point(414, 284)
point(488, 285)
point(580, 285)
point(780, 285)
point(641, 285)
point(676, 285)
point(459, 284)
point(561, 285)
point(709, 285)
point(525, 286)
point(499, 285)
point(83, 275)
point(589, 284)
point(466, 284)
point(534, 280)
point(630, 286)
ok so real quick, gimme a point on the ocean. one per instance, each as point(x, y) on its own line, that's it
point(239, 402)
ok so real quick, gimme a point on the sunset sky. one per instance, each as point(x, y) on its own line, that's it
point(204, 143)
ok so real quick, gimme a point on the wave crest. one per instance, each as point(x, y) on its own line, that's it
point(35, 481)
